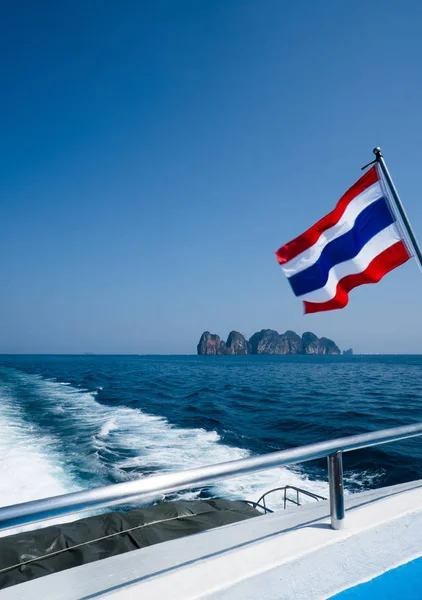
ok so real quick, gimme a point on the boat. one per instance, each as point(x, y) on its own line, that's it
point(322, 548)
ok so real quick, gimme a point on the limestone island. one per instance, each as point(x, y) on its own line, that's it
point(266, 341)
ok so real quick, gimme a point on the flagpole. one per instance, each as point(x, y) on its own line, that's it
point(405, 220)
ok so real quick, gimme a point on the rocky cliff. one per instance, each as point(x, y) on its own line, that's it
point(266, 341)
point(237, 344)
point(209, 343)
point(212, 344)
point(269, 341)
point(314, 345)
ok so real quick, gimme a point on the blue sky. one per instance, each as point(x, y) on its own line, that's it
point(155, 155)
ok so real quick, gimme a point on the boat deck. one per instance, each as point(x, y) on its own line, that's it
point(287, 554)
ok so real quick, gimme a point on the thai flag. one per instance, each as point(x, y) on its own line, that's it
point(358, 242)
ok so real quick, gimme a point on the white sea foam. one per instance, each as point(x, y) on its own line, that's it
point(30, 466)
point(158, 446)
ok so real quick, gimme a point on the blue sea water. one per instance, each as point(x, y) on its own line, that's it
point(68, 422)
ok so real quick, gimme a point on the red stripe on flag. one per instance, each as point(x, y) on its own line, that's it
point(382, 264)
point(308, 239)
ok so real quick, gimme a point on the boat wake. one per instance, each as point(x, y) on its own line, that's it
point(56, 438)
point(59, 438)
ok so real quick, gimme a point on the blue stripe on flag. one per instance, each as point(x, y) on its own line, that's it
point(376, 217)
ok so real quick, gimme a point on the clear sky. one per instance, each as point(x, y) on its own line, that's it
point(154, 155)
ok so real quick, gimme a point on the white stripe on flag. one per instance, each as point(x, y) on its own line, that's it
point(380, 242)
point(308, 257)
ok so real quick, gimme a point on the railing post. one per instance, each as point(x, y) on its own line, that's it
point(335, 478)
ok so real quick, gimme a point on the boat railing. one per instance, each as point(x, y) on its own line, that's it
point(166, 483)
point(261, 502)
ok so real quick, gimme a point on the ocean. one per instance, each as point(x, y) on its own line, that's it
point(72, 422)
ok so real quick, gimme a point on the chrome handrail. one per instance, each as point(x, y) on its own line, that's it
point(38, 510)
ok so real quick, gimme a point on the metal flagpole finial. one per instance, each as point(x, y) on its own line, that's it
point(378, 155)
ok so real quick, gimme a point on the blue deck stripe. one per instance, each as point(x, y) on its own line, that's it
point(376, 217)
point(403, 582)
